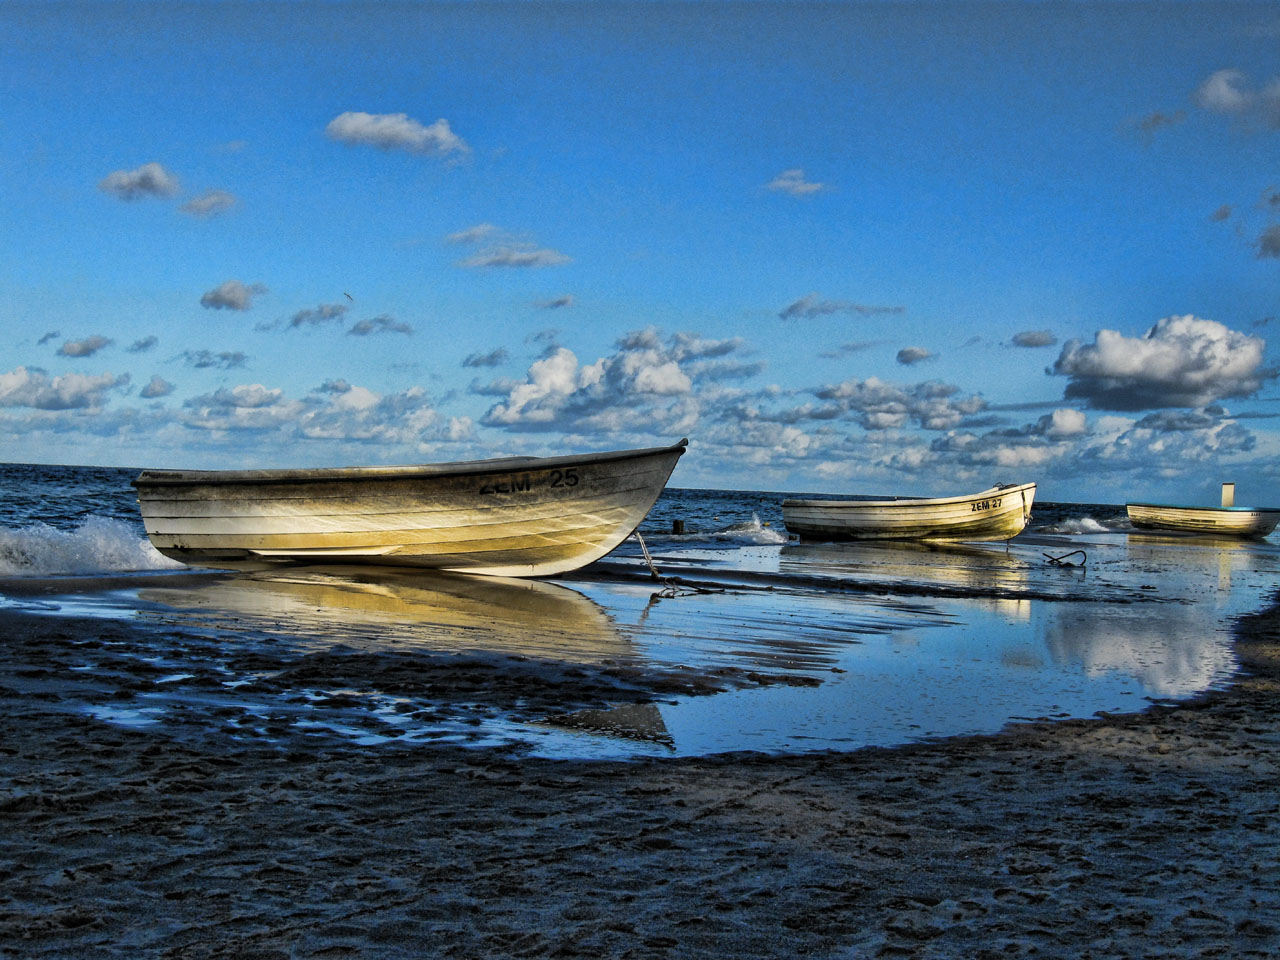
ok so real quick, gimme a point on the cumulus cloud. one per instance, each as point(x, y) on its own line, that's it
point(396, 131)
point(1062, 423)
point(143, 345)
point(209, 204)
point(813, 305)
point(793, 182)
point(379, 324)
point(314, 317)
point(1180, 362)
point(206, 359)
point(232, 295)
point(493, 358)
point(23, 387)
point(1223, 92)
point(647, 385)
point(909, 356)
point(158, 387)
point(148, 180)
point(878, 405)
point(1230, 92)
point(84, 348)
point(1164, 440)
point(1034, 338)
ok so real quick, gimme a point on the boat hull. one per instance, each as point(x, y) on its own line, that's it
point(1215, 521)
point(518, 516)
point(995, 514)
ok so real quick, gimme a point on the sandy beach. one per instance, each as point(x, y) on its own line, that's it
point(1143, 835)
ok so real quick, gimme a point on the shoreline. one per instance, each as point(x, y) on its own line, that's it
point(1146, 834)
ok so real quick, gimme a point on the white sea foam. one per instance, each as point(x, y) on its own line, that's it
point(99, 545)
point(1080, 525)
point(753, 532)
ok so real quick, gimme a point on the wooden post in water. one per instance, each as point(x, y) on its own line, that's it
point(1228, 494)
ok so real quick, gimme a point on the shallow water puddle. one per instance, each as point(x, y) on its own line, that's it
point(798, 647)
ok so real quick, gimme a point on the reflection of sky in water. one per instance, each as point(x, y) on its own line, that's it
point(902, 639)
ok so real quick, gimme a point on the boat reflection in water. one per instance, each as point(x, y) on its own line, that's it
point(953, 569)
point(1230, 555)
point(363, 606)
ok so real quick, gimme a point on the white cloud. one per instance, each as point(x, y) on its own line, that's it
point(380, 324)
point(648, 385)
point(206, 359)
point(396, 131)
point(1063, 423)
point(477, 234)
point(324, 313)
point(909, 356)
point(143, 345)
point(84, 348)
point(209, 204)
point(1034, 338)
point(493, 358)
point(503, 249)
point(1229, 92)
point(1180, 362)
point(793, 182)
point(1223, 92)
point(23, 387)
point(515, 256)
point(231, 295)
point(811, 305)
point(150, 179)
point(158, 387)
point(878, 405)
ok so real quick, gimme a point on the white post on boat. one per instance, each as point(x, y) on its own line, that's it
point(1228, 494)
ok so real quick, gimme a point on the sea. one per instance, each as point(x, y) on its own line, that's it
point(718, 631)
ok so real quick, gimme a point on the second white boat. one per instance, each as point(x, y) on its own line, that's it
point(997, 513)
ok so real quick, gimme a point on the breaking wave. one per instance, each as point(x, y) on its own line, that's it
point(98, 545)
point(751, 532)
point(1078, 525)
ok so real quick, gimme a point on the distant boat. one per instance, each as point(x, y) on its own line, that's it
point(998, 513)
point(515, 517)
point(1227, 520)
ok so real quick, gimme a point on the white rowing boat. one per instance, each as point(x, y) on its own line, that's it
point(1217, 521)
point(998, 513)
point(516, 516)
point(1227, 520)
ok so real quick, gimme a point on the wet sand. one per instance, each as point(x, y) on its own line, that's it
point(1148, 835)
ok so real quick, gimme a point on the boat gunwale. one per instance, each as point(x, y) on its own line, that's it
point(462, 468)
point(912, 501)
point(1200, 509)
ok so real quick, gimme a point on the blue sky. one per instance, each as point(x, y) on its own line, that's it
point(867, 248)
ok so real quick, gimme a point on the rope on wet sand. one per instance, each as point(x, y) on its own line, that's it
point(1058, 560)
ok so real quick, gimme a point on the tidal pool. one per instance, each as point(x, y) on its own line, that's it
point(810, 646)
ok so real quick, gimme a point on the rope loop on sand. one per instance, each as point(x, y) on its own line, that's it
point(673, 587)
point(1058, 560)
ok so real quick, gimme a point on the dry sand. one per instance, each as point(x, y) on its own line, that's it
point(1155, 835)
